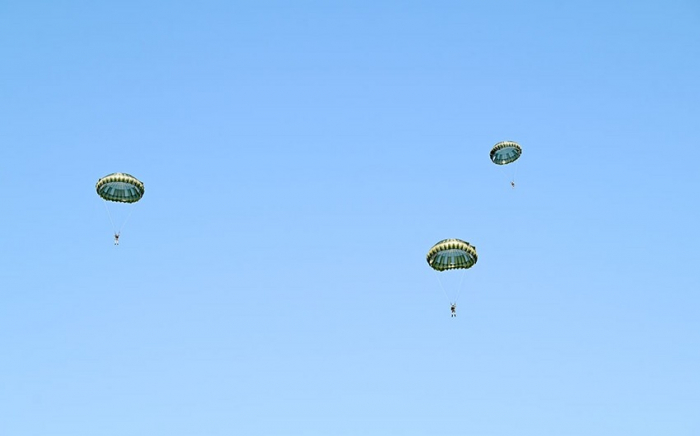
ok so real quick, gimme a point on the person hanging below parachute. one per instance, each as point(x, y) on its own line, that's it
point(448, 255)
point(119, 188)
point(505, 153)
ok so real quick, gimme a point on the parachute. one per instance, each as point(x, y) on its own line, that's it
point(452, 254)
point(119, 188)
point(505, 153)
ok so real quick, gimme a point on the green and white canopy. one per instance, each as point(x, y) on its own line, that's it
point(451, 254)
point(120, 187)
point(505, 152)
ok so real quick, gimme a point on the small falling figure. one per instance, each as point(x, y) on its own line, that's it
point(512, 184)
point(116, 239)
point(453, 310)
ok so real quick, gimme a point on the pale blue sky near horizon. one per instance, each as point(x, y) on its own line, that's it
point(299, 160)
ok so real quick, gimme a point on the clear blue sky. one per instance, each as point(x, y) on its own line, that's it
point(300, 158)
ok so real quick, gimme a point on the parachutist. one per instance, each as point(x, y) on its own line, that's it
point(451, 255)
point(506, 153)
point(119, 188)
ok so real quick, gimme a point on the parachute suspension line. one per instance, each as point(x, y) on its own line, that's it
point(459, 289)
point(447, 297)
point(456, 292)
point(109, 214)
point(131, 210)
point(506, 173)
point(114, 228)
point(515, 172)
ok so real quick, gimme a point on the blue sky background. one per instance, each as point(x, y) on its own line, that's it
point(300, 158)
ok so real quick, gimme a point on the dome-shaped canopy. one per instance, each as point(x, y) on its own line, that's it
point(505, 152)
point(120, 187)
point(451, 254)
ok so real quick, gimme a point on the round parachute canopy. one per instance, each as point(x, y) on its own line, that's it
point(451, 254)
point(505, 152)
point(120, 187)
